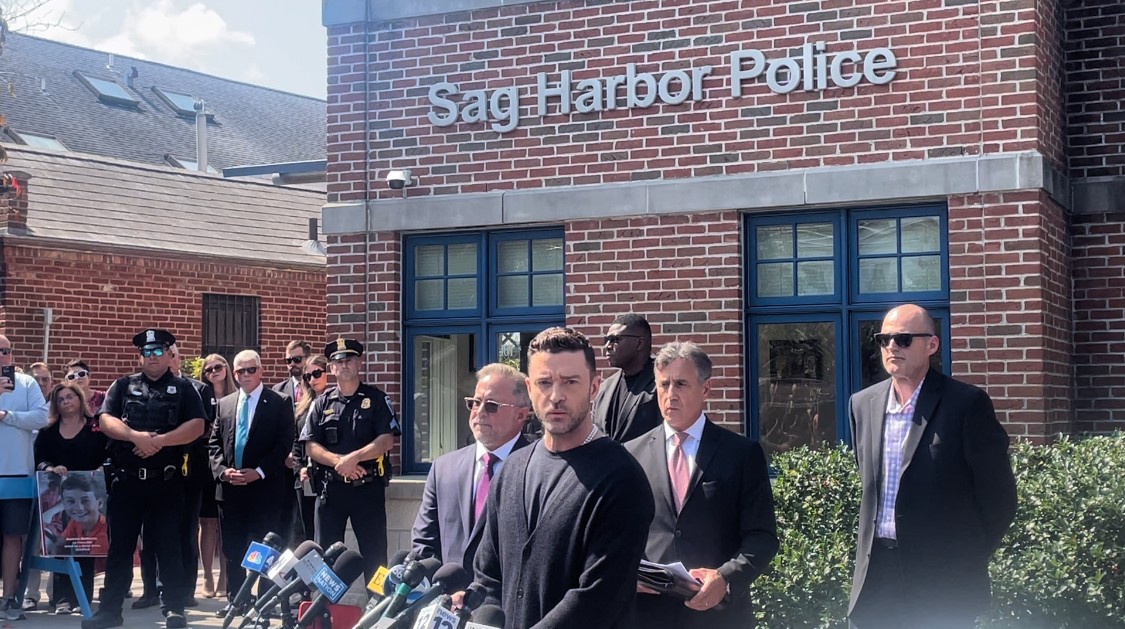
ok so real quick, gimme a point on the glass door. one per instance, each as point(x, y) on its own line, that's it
point(442, 368)
point(509, 346)
point(794, 387)
point(867, 364)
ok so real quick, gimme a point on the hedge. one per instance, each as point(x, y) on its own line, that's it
point(1062, 564)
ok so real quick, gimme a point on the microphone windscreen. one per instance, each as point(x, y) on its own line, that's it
point(349, 566)
point(490, 615)
point(333, 552)
point(424, 569)
point(305, 548)
point(453, 577)
point(273, 540)
point(399, 558)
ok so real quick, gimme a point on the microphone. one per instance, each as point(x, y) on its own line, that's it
point(332, 584)
point(487, 617)
point(449, 578)
point(411, 576)
point(302, 571)
point(383, 583)
point(274, 542)
point(474, 597)
point(281, 575)
point(436, 616)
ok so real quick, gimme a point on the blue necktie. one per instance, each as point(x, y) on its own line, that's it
point(242, 430)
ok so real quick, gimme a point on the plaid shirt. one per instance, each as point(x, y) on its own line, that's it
point(896, 423)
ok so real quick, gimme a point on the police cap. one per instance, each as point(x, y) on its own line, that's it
point(342, 348)
point(150, 339)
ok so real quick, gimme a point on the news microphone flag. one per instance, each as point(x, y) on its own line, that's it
point(259, 557)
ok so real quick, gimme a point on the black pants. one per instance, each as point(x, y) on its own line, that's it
point(63, 591)
point(242, 521)
point(306, 523)
point(366, 508)
point(193, 488)
point(887, 600)
point(157, 506)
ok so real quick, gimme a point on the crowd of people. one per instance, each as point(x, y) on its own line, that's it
point(554, 529)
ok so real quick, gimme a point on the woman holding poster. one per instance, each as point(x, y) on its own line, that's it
point(69, 454)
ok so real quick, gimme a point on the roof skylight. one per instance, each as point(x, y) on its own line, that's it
point(107, 90)
point(38, 140)
point(182, 102)
point(189, 164)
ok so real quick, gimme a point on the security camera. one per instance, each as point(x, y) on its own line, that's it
point(399, 179)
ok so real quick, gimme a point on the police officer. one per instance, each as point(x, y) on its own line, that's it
point(348, 435)
point(149, 417)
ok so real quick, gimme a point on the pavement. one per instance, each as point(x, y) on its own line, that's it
point(201, 616)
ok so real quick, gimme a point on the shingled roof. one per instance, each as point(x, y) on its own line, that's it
point(88, 199)
point(251, 124)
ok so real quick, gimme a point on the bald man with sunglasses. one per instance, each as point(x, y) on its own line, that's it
point(449, 522)
point(938, 489)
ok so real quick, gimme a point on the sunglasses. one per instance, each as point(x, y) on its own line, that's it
point(313, 375)
point(213, 369)
point(74, 375)
point(246, 370)
point(294, 360)
point(490, 406)
point(902, 339)
point(614, 339)
point(153, 352)
point(5, 351)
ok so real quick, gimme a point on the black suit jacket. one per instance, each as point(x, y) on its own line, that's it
point(443, 521)
point(640, 413)
point(286, 388)
point(267, 446)
point(956, 495)
point(727, 523)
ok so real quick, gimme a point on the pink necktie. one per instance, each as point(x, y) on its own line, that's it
point(678, 470)
point(488, 461)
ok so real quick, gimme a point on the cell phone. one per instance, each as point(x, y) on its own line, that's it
point(9, 372)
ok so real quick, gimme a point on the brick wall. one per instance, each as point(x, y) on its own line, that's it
point(1095, 74)
point(1099, 327)
point(100, 299)
point(683, 273)
point(1010, 300)
point(968, 83)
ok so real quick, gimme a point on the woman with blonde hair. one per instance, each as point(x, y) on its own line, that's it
point(216, 372)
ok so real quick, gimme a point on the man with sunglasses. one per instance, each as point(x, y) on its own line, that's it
point(149, 417)
point(22, 412)
point(295, 354)
point(252, 437)
point(938, 490)
point(348, 435)
point(450, 520)
point(626, 406)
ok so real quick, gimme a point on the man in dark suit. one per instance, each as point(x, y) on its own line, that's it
point(625, 407)
point(714, 504)
point(252, 437)
point(938, 489)
point(295, 354)
point(449, 522)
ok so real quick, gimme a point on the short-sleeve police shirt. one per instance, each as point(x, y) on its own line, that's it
point(341, 425)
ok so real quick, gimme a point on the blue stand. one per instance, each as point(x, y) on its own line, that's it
point(14, 487)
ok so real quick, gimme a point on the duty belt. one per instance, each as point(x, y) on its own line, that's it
point(331, 476)
point(168, 472)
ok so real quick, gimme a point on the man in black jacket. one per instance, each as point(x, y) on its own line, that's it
point(568, 516)
point(626, 403)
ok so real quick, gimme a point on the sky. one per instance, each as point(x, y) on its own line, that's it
point(274, 43)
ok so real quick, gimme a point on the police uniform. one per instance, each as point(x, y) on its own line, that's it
point(341, 425)
point(147, 492)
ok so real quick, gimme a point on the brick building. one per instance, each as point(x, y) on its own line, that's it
point(763, 177)
point(114, 227)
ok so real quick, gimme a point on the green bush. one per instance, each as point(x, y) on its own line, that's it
point(1062, 564)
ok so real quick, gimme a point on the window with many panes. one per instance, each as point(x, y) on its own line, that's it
point(817, 287)
point(470, 299)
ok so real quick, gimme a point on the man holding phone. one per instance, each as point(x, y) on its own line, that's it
point(22, 411)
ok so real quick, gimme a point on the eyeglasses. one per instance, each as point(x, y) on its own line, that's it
point(614, 339)
point(294, 360)
point(490, 406)
point(313, 375)
point(902, 339)
point(5, 351)
point(213, 369)
point(159, 351)
point(246, 371)
point(74, 375)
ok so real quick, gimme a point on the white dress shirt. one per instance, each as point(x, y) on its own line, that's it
point(690, 445)
point(500, 453)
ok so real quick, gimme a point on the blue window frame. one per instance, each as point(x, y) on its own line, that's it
point(470, 299)
point(817, 287)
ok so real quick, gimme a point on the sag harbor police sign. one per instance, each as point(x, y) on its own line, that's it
point(812, 70)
